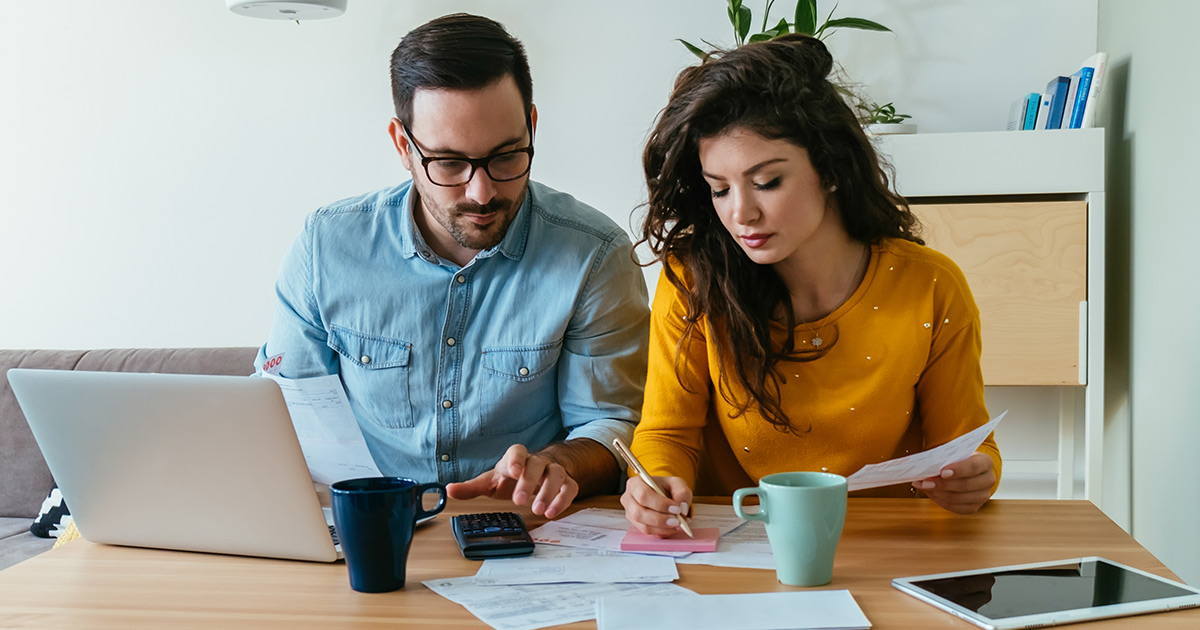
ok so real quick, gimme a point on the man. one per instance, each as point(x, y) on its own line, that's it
point(476, 318)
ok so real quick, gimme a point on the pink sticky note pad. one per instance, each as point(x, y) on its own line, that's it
point(705, 540)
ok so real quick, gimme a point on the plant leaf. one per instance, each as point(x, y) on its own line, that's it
point(806, 17)
point(743, 23)
point(767, 14)
point(762, 37)
point(693, 49)
point(734, 11)
point(859, 23)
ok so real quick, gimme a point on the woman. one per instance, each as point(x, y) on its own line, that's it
point(799, 322)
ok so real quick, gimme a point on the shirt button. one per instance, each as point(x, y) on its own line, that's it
point(523, 371)
point(446, 404)
point(445, 457)
point(450, 341)
point(365, 359)
point(460, 279)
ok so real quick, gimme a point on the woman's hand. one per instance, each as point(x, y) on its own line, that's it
point(651, 513)
point(963, 487)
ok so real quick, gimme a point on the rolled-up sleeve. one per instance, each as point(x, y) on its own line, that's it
point(298, 337)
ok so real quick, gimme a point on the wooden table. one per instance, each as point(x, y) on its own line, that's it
point(86, 585)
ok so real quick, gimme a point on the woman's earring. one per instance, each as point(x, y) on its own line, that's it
point(833, 188)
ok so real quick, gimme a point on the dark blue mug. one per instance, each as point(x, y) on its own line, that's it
point(375, 518)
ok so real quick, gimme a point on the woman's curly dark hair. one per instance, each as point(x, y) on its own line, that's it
point(778, 89)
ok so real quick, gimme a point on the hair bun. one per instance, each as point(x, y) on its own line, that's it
point(808, 52)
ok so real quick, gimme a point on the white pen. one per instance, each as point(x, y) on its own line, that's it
point(641, 471)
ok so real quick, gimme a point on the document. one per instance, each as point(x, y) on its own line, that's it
point(604, 529)
point(548, 567)
point(330, 438)
point(921, 465)
point(746, 547)
point(528, 607)
point(833, 610)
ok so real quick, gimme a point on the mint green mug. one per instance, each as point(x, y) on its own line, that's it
point(804, 513)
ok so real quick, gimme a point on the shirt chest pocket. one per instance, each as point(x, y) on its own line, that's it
point(520, 387)
point(375, 370)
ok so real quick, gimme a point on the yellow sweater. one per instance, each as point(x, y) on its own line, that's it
point(903, 376)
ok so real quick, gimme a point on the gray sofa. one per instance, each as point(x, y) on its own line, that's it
point(24, 478)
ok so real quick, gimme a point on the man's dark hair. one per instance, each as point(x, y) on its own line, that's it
point(458, 52)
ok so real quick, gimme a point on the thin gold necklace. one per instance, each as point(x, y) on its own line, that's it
point(854, 282)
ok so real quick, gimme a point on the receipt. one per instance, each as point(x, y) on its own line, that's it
point(921, 465)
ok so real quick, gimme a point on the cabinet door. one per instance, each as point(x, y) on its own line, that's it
point(1026, 263)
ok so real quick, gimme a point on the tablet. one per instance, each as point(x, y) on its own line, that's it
point(1049, 593)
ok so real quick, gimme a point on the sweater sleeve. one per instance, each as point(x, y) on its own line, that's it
point(950, 391)
point(669, 439)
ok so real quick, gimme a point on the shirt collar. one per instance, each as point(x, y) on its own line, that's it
point(512, 245)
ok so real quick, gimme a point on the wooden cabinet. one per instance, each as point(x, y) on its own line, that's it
point(1026, 262)
point(1022, 213)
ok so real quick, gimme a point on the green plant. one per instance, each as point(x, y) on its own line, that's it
point(804, 21)
point(884, 114)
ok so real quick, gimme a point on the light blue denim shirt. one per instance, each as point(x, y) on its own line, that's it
point(540, 338)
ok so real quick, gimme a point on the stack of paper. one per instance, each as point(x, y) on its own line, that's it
point(831, 610)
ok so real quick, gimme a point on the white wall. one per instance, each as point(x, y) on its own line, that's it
point(157, 157)
point(1153, 153)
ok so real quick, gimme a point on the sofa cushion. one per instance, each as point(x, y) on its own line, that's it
point(24, 478)
point(20, 546)
point(13, 526)
point(228, 361)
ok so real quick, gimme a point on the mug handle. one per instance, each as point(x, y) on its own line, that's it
point(441, 504)
point(742, 493)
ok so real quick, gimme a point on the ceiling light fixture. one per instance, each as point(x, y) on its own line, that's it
point(288, 9)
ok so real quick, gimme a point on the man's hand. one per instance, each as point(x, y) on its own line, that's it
point(525, 479)
point(962, 487)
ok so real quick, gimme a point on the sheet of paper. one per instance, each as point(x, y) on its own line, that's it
point(746, 547)
point(603, 529)
point(333, 444)
point(921, 465)
point(529, 607)
point(579, 536)
point(550, 568)
point(748, 611)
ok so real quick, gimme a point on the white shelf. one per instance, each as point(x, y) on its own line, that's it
point(1059, 161)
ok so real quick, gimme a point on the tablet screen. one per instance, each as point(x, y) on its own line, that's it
point(1073, 585)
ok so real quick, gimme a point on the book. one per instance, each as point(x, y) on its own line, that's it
point(1085, 83)
point(1057, 90)
point(1043, 112)
point(1097, 62)
point(1069, 104)
point(1032, 100)
point(1016, 114)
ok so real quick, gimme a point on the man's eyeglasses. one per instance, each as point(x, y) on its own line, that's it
point(457, 171)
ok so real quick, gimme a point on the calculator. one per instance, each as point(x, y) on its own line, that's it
point(491, 535)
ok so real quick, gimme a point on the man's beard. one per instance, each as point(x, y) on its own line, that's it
point(468, 234)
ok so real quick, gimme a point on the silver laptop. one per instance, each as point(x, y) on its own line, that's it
point(173, 461)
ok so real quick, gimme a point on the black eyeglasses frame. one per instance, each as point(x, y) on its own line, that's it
point(476, 163)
